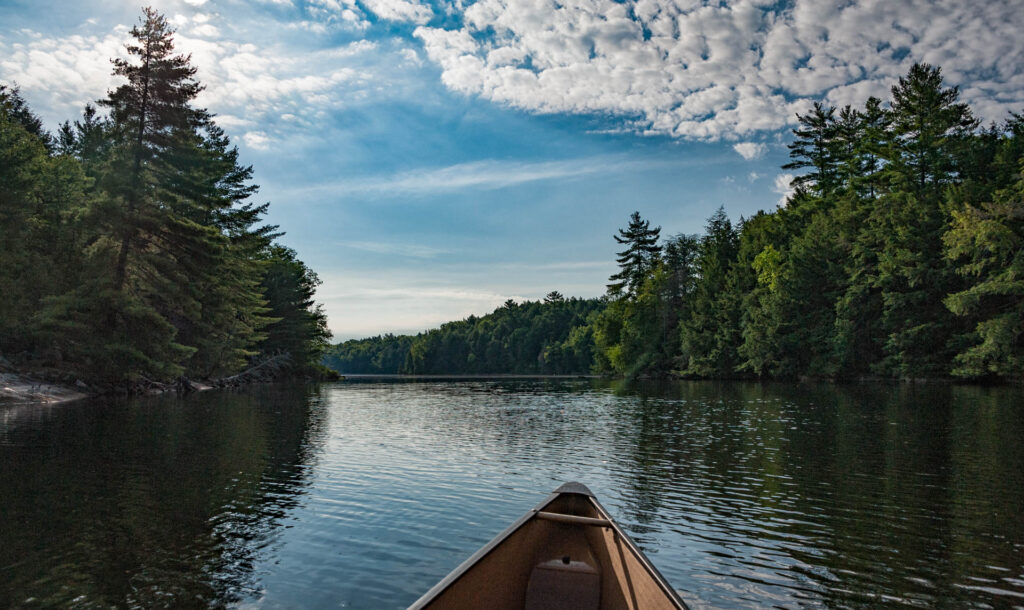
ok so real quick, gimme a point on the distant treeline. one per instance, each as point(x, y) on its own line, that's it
point(130, 247)
point(900, 255)
point(549, 337)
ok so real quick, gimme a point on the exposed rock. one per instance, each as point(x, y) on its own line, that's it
point(15, 388)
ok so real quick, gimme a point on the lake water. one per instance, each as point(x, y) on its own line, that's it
point(365, 494)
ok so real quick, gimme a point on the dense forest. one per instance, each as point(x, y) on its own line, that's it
point(131, 247)
point(536, 337)
point(899, 255)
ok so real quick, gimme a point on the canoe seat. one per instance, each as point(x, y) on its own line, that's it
point(564, 584)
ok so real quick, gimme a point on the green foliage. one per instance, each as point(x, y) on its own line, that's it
point(383, 354)
point(130, 247)
point(41, 199)
point(300, 325)
point(709, 334)
point(638, 259)
point(549, 337)
point(898, 255)
point(988, 243)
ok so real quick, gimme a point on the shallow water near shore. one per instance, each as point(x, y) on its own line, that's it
point(364, 494)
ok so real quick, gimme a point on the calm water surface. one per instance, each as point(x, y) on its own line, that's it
point(363, 495)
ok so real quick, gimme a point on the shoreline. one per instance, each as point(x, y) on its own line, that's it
point(19, 389)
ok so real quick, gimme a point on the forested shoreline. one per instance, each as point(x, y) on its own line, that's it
point(549, 337)
point(132, 251)
point(899, 255)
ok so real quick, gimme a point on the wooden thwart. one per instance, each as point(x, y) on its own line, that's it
point(573, 519)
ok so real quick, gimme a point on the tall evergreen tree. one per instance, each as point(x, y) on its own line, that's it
point(814, 149)
point(987, 242)
point(929, 127)
point(639, 257)
point(151, 115)
point(869, 149)
point(709, 337)
point(41, 198)
point(300, 325)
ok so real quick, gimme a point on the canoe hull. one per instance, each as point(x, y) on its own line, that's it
point(568, 530)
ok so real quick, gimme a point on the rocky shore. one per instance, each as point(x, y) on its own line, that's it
point(48, 385)
point(16, 388)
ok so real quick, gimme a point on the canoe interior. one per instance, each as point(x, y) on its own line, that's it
point(498, 577)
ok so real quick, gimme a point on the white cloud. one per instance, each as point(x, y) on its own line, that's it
point(486, 175)
point(62, 73)
point(784, 187)
point(256, 139)
point(244, 84)
point(206, 31)
point(195, 2)
point(400, 10)
point(723, 69)
point(411, 56)
point(750, 150)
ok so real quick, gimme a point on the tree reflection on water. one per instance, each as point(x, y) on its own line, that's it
point(154, 502)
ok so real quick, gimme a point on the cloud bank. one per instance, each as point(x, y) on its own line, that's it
point(251, 88)
point(689, 69)
point(714, 70)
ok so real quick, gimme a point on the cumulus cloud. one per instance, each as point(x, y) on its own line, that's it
point(724, 69)
point(206, 31)
point(256, 139)
point(400, 10)
point(784, 187)
point(750, 150)
point(66, 72)
point(245, 84)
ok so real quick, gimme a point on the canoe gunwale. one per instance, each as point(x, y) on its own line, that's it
point(475, 558)
point(641, 557)
point(566, 489)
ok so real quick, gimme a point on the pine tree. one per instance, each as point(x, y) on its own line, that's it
point(710, 335)
point(229, 311)
point(150, 115)
point(986, 240)
point(41, 198)
point(814, 148)
point(300, 326)
point(152, 244)
point(928, 129)
point(869, 149)
point(639, 257)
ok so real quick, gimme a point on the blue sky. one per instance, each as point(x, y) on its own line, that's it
point(432, 159)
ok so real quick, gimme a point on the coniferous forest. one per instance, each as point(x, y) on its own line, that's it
point(899, 255)
point(131, 247)
point(547, 337)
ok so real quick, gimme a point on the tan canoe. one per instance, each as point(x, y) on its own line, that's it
point(566, 553)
